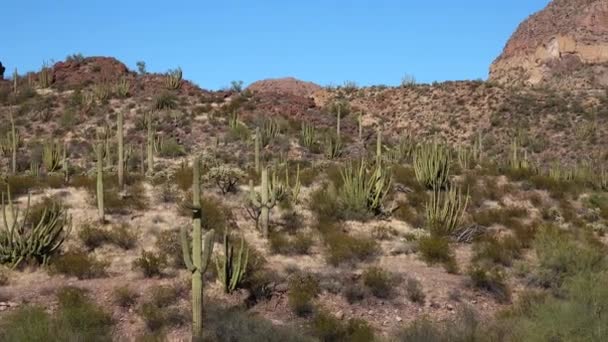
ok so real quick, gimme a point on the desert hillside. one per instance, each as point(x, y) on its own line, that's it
point(139, 206)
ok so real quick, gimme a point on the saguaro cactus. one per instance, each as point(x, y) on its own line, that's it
point(257, 149)
point(121, 150)
point(13, 145)
point(264, 201)
point(231, 268)
point(150, 146)
point(379, 145)
point(100, 204)
point(202, 247)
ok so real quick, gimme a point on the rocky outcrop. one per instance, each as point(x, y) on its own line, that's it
point(564, 45)
point(288, 85)
point(90, 70)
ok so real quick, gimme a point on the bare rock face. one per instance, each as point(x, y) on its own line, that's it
point(91, 70)
point(288, 85)
point(565, 45)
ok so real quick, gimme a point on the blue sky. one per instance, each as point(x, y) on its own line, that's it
point(324, 41)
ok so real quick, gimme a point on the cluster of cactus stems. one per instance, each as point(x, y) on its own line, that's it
point(282, 188)
point(516, 162)
point(308, 135)
point(100, 203)
point(122, 87)
point(402, 150)
point(20, 242)
point(464, 155)
point(233, 120)
point(44, 76)
point(270, 130)
point(52, 156)
point(263, 201)
point(231, 267)
point(197, 260)
point(378, 145)
point(364, 189)
point(444, 211)
point(174, 79)
point(432, 165)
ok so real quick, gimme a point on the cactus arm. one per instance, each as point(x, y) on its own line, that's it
point(186, 250)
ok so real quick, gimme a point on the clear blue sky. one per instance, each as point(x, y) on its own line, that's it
point(324, 41)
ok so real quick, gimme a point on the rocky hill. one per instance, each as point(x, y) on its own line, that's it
point(564, 45)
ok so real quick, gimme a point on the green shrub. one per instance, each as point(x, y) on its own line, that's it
point(165, 100)
point(562, 255)
point(328, 328)
point(124, 296)
point(414, 290)
point(497, 250)
point(435, 250)
point(122, 236)
point(282, 244)
point(77, 319)
point(170, 148)
point(492, 280)
point(183, 178)
point(160, 309)
point(379, 281)
point(168, 244)
point(93, 236)
point(354, 293)
point(151, 264)
point(342, 247)
point(79, 264)
point(303, 288)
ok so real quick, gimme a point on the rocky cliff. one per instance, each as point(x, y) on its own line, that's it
point(564, 45)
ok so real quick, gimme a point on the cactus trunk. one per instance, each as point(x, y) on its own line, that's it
point(202, 246)
point(150, 147)
point(100, 204)
point(257, 149)
point(13, 145)
point(121, 151)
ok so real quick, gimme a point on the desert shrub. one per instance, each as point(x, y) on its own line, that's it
point(414, 290)
point(19, 184)
point(168, 244)
point(297, 245)
point(408, 214)
point(303, 288)
point(124, 296)
point(466, 327)
point(122, 236)
point(77, 319)
point(354, 293)
point(436, 250)
point(151, 264)
point(225, 177)
point(215, 216)
point(504, 216)
point(342, 247)
point(236, 324)
point(324, 203)
point(561, 254)
point(158, 311)
point(92, 236)
point(576, 316)
point(165, 100)
point(79, 264)
point(492, 280)
point(183, 178)
point(497, 250)
point(406, 176)
point(170, 148)
point(378, 281)
point(328, 328)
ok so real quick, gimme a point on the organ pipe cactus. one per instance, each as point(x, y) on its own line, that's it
point(21, 242)
point(202, 247)
point(231, 268)
point(338, 116)
point(444, 211)
point(100, 203)
point(65, 163)
point(15, 80)
point(52, 156)
point(270, 130)
point(263, 201)
point(364, 190)
point(308, 135)
point(121, 150)
point(432, 165)
point(174, 79)
point(379, 146)
point(333, 146)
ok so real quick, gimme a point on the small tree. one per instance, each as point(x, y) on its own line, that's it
point(141, 67)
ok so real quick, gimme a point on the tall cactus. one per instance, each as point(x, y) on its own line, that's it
point(257, 149)
point(338, 119)
point(432, 165)
point(52, 156)
point(202, 247)
point(231, 268)
point(121, 150)
point(100, 204)
point(15, 80)
point(264, 201)
point(65, 164)
point(150, 145)
point(379, 145)
point(360, 122)
point(13, 145)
